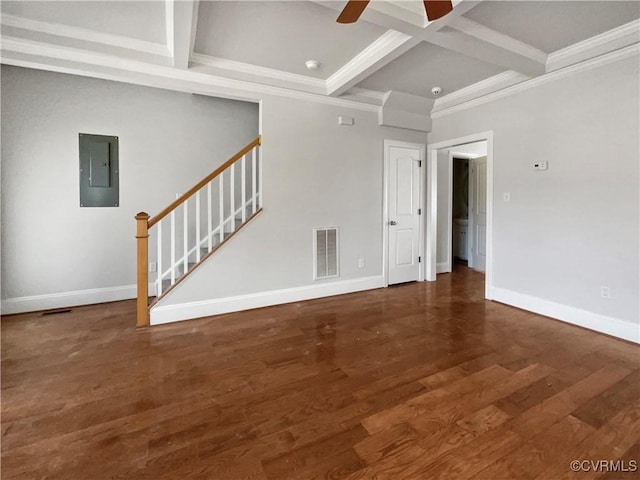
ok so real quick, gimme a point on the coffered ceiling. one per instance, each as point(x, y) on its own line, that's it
point(231, 47)
point(244, 31)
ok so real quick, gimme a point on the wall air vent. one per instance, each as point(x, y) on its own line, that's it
point(325, 253)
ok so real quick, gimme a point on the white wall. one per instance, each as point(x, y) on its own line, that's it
point(167, 140)
point(316, 173)
point(575, 227)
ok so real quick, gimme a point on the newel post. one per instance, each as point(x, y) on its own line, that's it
point(142, 234)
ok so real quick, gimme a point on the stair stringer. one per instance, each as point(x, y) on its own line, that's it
point(206, 256)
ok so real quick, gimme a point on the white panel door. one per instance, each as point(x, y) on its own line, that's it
point(404, 221)
point(479, 213)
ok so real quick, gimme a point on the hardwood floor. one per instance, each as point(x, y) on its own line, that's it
point(419, 381)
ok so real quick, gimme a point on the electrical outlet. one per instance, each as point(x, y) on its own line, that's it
point(153, 266)
point(506, 196)
point(605, 292)
point(539, 166)
point(361, 263)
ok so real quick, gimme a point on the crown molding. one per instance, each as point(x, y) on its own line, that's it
point(614, 39)
point(27, 42)
point(247, 71)
point(83, 34)
point(626, 52)
point(478, 89)
point(364, 95)
point(42, 56)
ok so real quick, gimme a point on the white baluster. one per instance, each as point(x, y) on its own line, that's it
point(253, 180)
point(209, 213)
point(198, 225)
point(159, 259)
point(221, 191)
point(185, 260)
point(173, 247)
point(260, 177)
point(232, 194)
point(243, 174)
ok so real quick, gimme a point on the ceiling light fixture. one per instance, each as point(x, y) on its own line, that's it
point(312, 64)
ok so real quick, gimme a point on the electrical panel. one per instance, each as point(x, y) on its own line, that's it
point(99, 180)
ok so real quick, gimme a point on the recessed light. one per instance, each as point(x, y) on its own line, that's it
point(312, 64)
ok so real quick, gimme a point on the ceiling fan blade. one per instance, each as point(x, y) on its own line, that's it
point(437, 8)
point(352, 11)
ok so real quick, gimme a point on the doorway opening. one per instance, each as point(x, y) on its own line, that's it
point(459, 206)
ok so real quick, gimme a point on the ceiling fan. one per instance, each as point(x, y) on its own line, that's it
point(354, 8)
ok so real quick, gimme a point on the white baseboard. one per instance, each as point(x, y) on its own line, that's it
point(443, 267)
point(49, 301)
point(205, 308)
point(583, 318)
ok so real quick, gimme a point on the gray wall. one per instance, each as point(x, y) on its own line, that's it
point(316, 174)
point(575, 227)
point(168, 141)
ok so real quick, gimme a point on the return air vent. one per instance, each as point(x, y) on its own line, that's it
point(325, 253)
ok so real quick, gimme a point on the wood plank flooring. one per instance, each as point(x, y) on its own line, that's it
point(418, 381)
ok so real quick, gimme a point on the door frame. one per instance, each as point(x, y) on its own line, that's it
point(431, 234)
point(388, 143)
point(448, 268)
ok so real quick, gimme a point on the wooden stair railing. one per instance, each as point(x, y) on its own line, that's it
point(239, 200)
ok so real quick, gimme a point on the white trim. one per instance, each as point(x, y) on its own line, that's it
point(478, 89)
point(140, 73)
point(431, 210)
point(385, 212)
point(449, 262)
point(84, 34)
point(626, 52)
point(565, 313)
point(173, 313)
point(169, 26)
point(486, 34)
point(181, 22)
point(432, 237)
point(317, 84)
point(364, 95)
point(616, 38)
point(443, 267)
point(383, 50)
point(388, 143)
point(467, 156)
point(48, 301)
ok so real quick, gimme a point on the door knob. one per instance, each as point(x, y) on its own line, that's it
point(392, 222)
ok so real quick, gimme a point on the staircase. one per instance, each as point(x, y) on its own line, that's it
point(188, 231)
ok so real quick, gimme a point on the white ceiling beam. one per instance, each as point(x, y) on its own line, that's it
point(385, 49)
point(492, 47)
point(377, 14)
point(400, 37)
point(406, 29)
point(181, 21)
point(498, 39)
point(463, 36)
point(487, 52)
